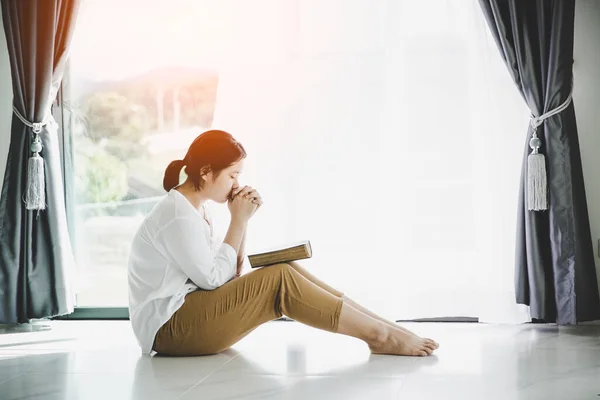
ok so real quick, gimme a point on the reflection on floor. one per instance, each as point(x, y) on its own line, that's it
point(286, 360)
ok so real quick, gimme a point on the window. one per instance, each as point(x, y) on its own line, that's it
point(136, 102)
point(388, 133)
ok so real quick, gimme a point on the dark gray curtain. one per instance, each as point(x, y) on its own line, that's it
point(555, 272)
point(35, 254)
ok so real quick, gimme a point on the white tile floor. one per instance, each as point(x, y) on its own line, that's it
point(286, 360)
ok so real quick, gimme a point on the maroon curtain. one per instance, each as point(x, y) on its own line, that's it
point(35, 252)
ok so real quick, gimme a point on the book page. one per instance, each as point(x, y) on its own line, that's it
point(280, 247)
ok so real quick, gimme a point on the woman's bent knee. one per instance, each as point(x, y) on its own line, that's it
point(278, 270)
point(280, 266)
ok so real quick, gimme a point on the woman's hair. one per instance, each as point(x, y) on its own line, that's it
point(213, 150)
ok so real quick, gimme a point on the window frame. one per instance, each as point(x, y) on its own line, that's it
point(61, 112)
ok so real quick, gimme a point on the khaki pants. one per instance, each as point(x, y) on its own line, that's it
point(210, 321)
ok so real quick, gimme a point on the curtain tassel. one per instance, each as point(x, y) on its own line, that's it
point(35, 187)
point(537, 184)
point(35, 192)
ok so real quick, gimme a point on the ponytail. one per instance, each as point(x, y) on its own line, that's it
point(172, 172)
point(213, 151)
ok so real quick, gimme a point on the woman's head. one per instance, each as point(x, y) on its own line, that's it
point(212, 163)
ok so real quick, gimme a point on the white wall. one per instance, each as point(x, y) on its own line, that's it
point(586, 95)
point(5, 103)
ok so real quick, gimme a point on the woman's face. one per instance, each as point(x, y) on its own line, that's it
point(220, 188)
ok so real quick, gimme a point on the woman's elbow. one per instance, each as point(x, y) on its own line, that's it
point(216, 281)
point(211, 285)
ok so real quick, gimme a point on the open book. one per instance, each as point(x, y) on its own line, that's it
point(281, 254)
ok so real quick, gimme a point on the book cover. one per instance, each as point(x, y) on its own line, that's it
point(280, 254)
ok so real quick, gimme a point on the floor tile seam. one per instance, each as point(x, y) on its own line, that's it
point(206, 377)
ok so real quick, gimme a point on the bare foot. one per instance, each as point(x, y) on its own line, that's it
point(401, 343)
point(402, 329)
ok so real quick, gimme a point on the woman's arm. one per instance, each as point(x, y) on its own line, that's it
point(241, 255)
point(179, 242)
point(246, 192)
point(235, 234)
point(237, 231)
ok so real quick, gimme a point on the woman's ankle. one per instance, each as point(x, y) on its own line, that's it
point(380, 335)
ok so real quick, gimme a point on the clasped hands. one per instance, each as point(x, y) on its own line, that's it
point(247, 193)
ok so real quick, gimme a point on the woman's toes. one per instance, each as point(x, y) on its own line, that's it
point(430, 345)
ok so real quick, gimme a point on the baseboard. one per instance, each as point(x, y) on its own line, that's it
point(96, 313)
point(442, 319)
